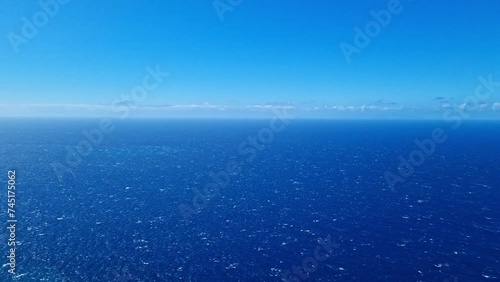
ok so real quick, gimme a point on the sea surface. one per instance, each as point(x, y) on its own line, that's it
point(308, 196)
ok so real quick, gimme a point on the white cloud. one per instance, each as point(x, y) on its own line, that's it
point(268, 106)
point(445, 105)
point(199, 106)
point(104, 110)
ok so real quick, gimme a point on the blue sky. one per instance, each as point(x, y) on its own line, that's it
point(262, 52)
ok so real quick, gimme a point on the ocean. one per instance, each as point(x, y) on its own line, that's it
point(248, 200)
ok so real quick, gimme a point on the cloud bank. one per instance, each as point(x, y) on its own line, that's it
point(367, 110)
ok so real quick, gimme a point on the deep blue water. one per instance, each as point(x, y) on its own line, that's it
point(131, 210)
